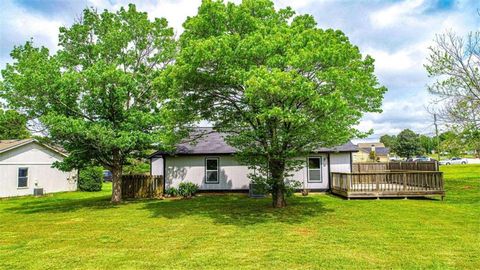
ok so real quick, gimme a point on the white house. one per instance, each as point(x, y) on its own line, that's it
point(26, 165)
point(211, 164)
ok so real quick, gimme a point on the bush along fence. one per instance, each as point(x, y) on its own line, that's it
point(431, 166)
point(136, 186)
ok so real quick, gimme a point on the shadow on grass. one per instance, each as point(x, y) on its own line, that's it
point(59, 205)
point(231, 209)
point(238, 210)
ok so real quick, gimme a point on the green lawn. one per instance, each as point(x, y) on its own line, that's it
point(83, 231)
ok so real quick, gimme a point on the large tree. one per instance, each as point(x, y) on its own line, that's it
point(13, 125)
point(407, 144)
point(95, 95)
point(275, 83)
point(455, 63)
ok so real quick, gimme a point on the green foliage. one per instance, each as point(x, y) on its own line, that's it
point(453, 142)
point(90, 179)
point(13, 125)
point(388, 140)
point(171, 192)
point(136, 166)
point(95, 95)
point(187, 189)
point(427, 143)
point(372, 155)
point(407, 144)
point(275, 83)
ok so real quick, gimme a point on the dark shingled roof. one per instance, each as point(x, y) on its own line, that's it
point(213, 143)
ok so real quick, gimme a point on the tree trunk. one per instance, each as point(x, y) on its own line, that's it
point(116, 179)
point(116, 184)
point(277, 169)
point(279, 198)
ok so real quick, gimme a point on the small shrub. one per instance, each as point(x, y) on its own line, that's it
point(90, 179)
point(171, 192)
point(187, 189)
point(291, 186)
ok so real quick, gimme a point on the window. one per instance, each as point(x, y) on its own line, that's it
point(211, 170)
point(22, 177)
point(315, 169)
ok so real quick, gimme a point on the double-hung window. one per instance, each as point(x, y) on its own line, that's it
point(211, 171)
point(315, 169)
point(22, 177)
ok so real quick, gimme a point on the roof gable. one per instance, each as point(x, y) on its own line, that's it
point(7, 145)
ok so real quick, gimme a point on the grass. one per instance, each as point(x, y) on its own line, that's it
point(84, 231)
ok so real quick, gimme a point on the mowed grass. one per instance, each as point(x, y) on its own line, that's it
point(84, 231)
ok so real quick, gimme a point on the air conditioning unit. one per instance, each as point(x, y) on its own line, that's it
point(38, 191)
point(255, 192)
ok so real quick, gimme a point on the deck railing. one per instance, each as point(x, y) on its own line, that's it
point(388, 184)
point(395, 165)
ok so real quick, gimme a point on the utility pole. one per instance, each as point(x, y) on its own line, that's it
point(436, 135)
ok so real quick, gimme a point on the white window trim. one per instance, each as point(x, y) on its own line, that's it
point(18, 177)
point(217, 170)
point(319, 169)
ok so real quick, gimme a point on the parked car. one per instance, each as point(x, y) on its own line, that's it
point(107, 176)
point(420, 158)
point(455, 160)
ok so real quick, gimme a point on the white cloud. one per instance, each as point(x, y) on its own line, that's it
point(399, 13)
point(18, 26)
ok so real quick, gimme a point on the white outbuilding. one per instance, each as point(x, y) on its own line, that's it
point(26, 169)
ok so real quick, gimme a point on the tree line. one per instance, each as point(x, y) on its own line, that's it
point(450, 143)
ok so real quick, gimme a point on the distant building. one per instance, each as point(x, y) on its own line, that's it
point(26, 168)
point(382, 153)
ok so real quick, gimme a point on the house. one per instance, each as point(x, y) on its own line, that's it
point(26, 167)
point(382, 153)
point(210, 163)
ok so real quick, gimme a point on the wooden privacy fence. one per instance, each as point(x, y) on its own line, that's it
point(388, 184)
point(394, 166)
point(135, 186)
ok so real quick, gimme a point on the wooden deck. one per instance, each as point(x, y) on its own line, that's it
point(380, 184)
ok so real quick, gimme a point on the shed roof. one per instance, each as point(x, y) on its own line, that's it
point(7, 145)
point(212, 142)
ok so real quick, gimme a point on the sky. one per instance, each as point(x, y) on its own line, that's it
point(395, 33)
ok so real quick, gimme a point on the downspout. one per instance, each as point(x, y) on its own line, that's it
point(164, 174)
point(351, 162)
point(329, 173)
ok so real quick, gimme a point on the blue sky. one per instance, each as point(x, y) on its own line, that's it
point(395, 33)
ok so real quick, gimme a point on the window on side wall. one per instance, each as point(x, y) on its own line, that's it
point(22, 177)
point(315, 169)
point(212, 171)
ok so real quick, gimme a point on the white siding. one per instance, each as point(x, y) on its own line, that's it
point(302, 174)
point(233, 175)
point(192, 169)
point(38, 160)
point(340, 162)
point(156, 166)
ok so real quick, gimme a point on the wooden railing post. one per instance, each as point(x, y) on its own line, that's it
point(349, 182)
